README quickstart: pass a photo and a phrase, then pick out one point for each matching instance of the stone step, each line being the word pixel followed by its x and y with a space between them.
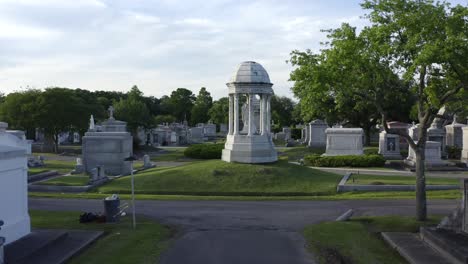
pixel 452 245
pixel 60 250
pixel 37 240
pixel 413 249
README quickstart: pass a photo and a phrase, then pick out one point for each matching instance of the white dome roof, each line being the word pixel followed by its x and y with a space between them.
pixel 250 72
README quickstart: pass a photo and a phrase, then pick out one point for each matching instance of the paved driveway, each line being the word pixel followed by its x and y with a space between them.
pixel 231 232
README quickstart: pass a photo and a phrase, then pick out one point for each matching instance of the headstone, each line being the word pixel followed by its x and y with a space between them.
pixel 433 156
pixel 454 134
pixel 344 141
pixel 389 145
pixel 34 162
pixel 209 130
pixel 403 128
pixel 13 186
pixel 108 147
pixel 287 133
pixel 464 155
pixel 196 135
pixel 147 162
pixel 98 175
pixel 79 167
pixel 223 128
pixel 435 133
pixel 317 137
pixel 280 136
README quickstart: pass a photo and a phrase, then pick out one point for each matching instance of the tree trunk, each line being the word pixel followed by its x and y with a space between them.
pixel 421 202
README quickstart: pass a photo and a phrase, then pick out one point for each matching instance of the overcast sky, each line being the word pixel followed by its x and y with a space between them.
pixel 158 45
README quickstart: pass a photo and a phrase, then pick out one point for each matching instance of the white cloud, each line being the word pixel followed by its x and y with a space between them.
pixel 16 31
pixel 57 3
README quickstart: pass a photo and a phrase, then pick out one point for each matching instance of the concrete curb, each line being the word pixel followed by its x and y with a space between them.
pixel 40 176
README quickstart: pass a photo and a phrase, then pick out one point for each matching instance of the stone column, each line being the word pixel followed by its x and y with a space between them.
pixel 263 114
pixel 231 110
pixel 268 114
pixel 236 114
pixel 251 115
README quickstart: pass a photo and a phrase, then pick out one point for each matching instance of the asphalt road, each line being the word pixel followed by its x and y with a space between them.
pixel 228 232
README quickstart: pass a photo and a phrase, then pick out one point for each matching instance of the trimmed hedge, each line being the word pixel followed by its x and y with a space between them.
pixel 204 151
pixel 344 161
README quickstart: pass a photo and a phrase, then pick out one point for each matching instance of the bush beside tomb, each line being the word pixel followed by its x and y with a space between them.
pixel 453 152
pixel 344 161
pixel 204 151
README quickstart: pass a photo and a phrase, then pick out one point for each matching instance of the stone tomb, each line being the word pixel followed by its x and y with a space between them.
pixel 435 133
pixel 389 145
pixel 13 186
pixel 433 156
pixel 464 155
pixel 108 147
pixel 454 134
pixel 317 136
pixel 344 141
pixel 255 144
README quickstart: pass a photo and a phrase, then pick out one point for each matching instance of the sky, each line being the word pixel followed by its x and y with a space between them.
pixel 159 45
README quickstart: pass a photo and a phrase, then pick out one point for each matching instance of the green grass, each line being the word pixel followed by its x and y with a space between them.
pixel 397 180
pixel 176 154
pixel 121 244
pixel 358 240
pixel 297 153
pixel 71 180
pixel 215 177
pixel 57 165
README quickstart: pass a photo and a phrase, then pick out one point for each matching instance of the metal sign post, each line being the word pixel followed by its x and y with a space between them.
pixel 131 159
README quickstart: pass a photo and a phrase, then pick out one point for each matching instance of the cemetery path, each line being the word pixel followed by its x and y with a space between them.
pixel 245 231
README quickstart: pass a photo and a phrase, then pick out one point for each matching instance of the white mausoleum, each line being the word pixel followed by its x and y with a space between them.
pixel 13 185
pixel 252 145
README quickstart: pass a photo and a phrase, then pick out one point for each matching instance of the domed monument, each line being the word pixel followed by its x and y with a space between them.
pixel 252 143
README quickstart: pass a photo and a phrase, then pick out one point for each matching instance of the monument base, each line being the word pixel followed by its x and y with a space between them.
pixel 249 149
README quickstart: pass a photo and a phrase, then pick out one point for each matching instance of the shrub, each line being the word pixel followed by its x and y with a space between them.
pixel 296 133
pixel 204 151
pixel 453 152
pixel 344 161
pixel 371 150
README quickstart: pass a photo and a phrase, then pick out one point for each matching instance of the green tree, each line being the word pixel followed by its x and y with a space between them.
pixel 202 105
pixel 134 111
pixel 60 110
pixel 282 111
pixel 414 48
pixel 181 103
pixel 219 112
pixel 20 111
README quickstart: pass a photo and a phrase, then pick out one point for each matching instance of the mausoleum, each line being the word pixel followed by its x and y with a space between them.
pixel 13 185
pixel 253 144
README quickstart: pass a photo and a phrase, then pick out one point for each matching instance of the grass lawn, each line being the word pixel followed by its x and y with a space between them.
pixel 297 153
pixel 57 165
pixel 397 180
pixel 215 177
pixel 358 240
pixel 121 244
pixel 176 154
pixel 70 180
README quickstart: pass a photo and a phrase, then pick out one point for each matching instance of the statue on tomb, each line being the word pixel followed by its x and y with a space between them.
pixel 111 112
pixel 91 123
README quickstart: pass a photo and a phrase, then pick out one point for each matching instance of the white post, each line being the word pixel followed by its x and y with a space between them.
pixel 251 114
pixel 268 114
pixel 236 114
pixel 133 194
pixel 261 114
pixel 231 110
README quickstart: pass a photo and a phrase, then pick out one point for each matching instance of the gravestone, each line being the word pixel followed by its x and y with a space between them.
pixel 344 141
pixel 13 186
pixel 223 129
pixel 34 162
pixel 79 167
pixel 306 134
pixel 389 145
pixel 209 130
pixel 317 137
pixel 413 131
pixel 280 136
pixel 196 135
pixel 287 133
pixel 454 134
pixel 98 176
pixel 433 156
pixel 464 155
pixel 108 147
pixel 147 162
pixel 435 133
